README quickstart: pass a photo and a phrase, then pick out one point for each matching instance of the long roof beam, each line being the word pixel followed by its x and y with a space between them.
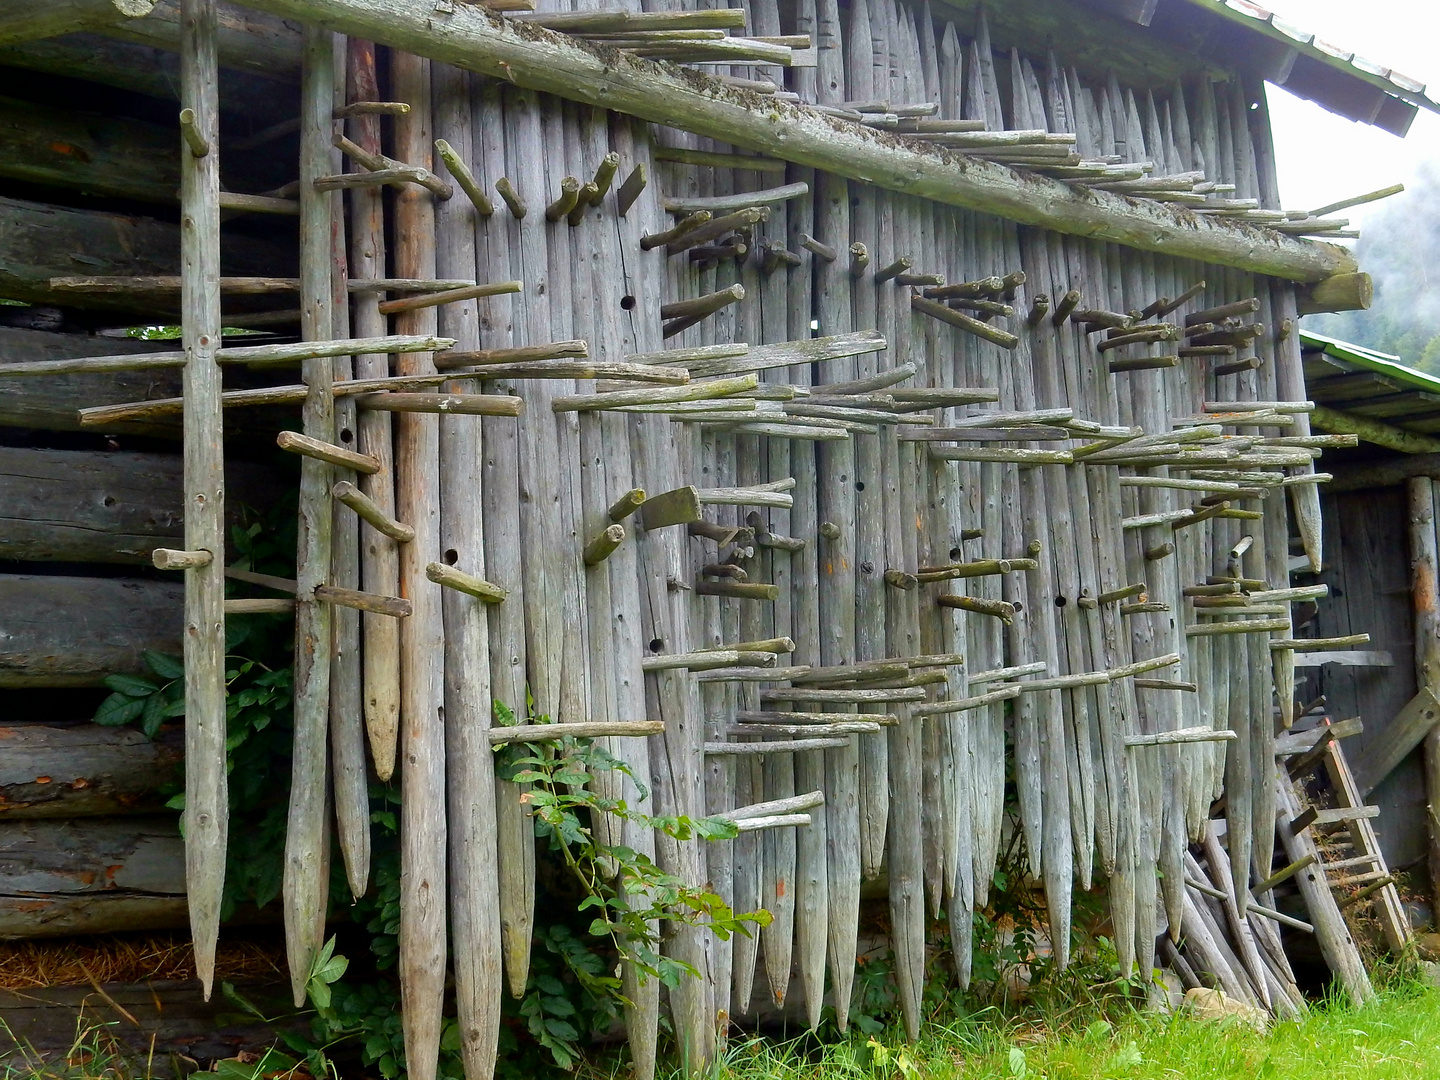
pixel 469 37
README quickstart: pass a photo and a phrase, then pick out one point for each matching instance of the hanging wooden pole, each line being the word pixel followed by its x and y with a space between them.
pixel 422 636
pixel 307 834
pixel 379 557
pixel 207 809
pixel 1427 641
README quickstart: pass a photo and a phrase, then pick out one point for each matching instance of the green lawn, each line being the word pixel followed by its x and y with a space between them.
pixel 1397 1036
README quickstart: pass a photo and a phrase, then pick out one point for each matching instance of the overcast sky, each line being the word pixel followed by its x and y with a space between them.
pixel 1323 158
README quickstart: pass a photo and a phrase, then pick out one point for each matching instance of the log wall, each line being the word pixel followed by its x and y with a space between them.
pixel 957 521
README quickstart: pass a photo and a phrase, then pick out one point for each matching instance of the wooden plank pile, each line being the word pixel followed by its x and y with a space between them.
pixel 805 497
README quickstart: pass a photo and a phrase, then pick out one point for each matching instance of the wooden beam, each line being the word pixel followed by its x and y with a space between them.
pixel 39 242
pixel 104 507
pixel 147 70
pixel 1343 292
pixel 470 38
pixel 1409 728
pixel 1338 422
pixel 43 644
pixel 100 155
pixel 29 20
pixel 84 771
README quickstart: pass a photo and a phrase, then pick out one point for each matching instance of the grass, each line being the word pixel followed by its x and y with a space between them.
pixel 1397 1036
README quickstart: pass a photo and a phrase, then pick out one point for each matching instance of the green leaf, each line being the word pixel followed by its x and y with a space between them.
pixel 119 709
pixel 156 709
pixel 131 685
pixel 164 665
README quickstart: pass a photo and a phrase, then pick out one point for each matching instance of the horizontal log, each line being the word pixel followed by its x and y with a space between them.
pixel 51 404
pixel 89 152
pixel 1183 735
pixel 84 770
pixel 80 506
pixel 155 72
pixel 27 20
pixel 73 631
pixel 39 242
pixel 584 729
pixel 539 60
pixel 783 746
pixel 246 40
pixel 90 875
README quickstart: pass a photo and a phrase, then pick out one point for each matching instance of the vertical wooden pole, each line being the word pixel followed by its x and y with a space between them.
pixel 207 809
pixel 422 635
pixel 379 554
pixel 307 832
pixel 349 773
pixel 1427 643
pixel 469 762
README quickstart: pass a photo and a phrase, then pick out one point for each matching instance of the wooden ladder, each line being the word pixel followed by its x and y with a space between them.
pixel 1367 866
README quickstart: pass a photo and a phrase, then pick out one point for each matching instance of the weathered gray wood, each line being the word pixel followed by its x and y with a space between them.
pixel 27 20
pixel 1424 603
pixel 74 506
pixel 73 631
pixel 500 494
pixel 350 780
pixel 65 877
pixel 1403 734
pixel 423 945
pixel 51 403
pixel 84 771
pixel 469 767
pixel 306 884
pixel 206 797
pixel 550 63
pixel 39 242
pixel 1331 932
pixel 379 558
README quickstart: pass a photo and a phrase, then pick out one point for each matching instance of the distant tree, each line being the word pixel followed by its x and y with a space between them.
pixel 1400 248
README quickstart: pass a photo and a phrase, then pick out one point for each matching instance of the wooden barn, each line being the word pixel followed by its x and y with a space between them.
pixel 842 413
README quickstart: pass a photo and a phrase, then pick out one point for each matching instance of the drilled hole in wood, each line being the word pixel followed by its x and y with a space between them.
pixel 346 435
pixel 956 553
pixel 859 485
pixel 628 303
pixel 451 556
pixel 1059 601
pixel 656 645
pixel 109 500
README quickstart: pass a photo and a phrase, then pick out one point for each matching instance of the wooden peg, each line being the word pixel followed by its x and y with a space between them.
pixel 465 178
pixel 295 443
pixel 859 259
pixel 569 195
pixel 190 129
pixel 604 543
pixel 460 581
pixel 351 496
pixel 173 559
pixel 511 198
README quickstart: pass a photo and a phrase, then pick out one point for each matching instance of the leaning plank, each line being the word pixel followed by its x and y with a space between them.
pixel 29 20
pixel 39 242
pixel 1403 734
pixel 470 38
pixel 84 771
